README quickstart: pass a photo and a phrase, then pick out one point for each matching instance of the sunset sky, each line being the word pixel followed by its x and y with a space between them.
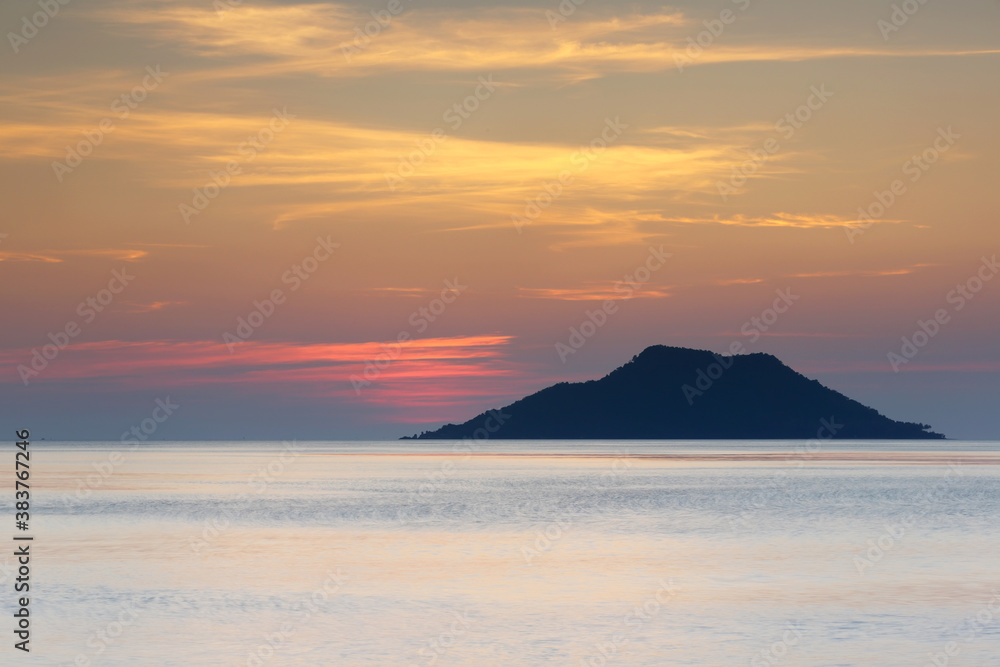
pixel 506 167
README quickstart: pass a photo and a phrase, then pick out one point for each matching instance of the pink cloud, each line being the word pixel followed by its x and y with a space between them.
pixel 423 380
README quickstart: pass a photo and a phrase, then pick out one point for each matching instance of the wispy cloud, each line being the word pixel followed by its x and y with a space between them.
pixel 399 291
pixel 271 39
pixel 150 307
pixel 428 380
pixel 900 271
pixel 56 256
pixel 780 219
pixel 739 281
pixel 8 256
pixel 595 293
pixel 194 363
pixel 848 273
pixel 280 39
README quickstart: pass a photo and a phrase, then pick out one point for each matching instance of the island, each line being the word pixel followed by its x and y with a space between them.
pixel 675 393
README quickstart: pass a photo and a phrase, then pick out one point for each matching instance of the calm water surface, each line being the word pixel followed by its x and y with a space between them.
pixel 542 553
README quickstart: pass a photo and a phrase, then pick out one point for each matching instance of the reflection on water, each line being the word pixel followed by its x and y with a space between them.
pixel 628 553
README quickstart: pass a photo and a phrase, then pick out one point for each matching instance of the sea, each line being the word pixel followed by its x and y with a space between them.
pixel 499 553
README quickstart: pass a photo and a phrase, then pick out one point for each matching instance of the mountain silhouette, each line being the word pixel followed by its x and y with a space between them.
pixel 678 393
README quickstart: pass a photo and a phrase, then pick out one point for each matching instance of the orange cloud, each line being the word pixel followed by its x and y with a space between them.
pixel 852 273
pixel 739 281
pixel 54 256
pixel 6 256
pixel 149 307
pixel 791 220
pixel 598 293
pixel 863 273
